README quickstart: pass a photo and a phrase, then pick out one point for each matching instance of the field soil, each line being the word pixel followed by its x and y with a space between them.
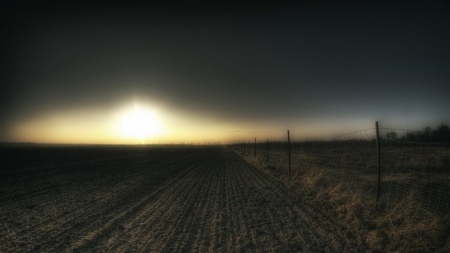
pixel 153 199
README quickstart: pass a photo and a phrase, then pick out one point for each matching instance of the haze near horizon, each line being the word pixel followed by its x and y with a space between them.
pixel 129 73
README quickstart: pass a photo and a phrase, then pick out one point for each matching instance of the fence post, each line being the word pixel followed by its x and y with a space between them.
pixel 289 148
pixel 267 151
pixel 255 146
pixel 378 162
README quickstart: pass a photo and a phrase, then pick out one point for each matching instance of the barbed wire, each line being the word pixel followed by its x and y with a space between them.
pixel 409 169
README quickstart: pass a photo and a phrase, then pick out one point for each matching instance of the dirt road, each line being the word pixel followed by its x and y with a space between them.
pixel 204 199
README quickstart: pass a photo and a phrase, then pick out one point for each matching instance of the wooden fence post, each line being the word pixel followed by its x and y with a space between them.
pixel 267 151
pixel 289 148
pixel 378 162
pixel 255 146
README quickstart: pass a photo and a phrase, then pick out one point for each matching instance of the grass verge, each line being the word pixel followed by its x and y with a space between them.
pixel 403 227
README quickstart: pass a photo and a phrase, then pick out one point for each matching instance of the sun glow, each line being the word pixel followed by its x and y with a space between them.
pixel 140 124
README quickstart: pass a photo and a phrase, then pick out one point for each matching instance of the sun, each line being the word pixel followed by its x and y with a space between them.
pixel 140 124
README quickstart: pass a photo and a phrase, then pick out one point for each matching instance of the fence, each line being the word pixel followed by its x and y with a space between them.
pixel 405 166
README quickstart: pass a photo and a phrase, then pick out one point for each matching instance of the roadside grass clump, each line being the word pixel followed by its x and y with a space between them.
pixel 404 226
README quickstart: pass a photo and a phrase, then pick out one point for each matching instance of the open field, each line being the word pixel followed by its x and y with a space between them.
pixel 153 199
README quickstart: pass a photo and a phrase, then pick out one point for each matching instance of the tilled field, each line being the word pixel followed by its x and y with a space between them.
pixel 140 199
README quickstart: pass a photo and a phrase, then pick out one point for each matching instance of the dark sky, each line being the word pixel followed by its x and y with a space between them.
pixel 244 69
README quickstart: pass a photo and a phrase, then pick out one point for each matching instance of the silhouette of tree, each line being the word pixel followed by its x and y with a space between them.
pixel 440 134
pixel 427 133
pixel 391 136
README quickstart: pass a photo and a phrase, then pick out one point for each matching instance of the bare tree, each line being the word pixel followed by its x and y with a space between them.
pixel 391 136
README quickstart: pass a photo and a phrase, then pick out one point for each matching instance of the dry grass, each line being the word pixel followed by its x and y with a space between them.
pixel 403 227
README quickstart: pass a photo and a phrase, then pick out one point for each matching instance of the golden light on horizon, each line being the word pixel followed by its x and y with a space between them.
pixel 140 124
pixel 143 122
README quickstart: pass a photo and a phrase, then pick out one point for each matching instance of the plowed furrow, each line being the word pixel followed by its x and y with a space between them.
pixel 158 237
pixel 312 220
pixel 150 217
pixel 77 217
pixel 68 218
pixel 119 212
pixel 292 218
pixel 190 226
pixel 169 200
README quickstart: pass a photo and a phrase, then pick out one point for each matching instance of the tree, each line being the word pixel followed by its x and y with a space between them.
pixel 391 136
pixel 412 136
pixel 426 133
pixel 441 133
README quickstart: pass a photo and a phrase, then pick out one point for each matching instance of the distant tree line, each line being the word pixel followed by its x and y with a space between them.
pixel 440 134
